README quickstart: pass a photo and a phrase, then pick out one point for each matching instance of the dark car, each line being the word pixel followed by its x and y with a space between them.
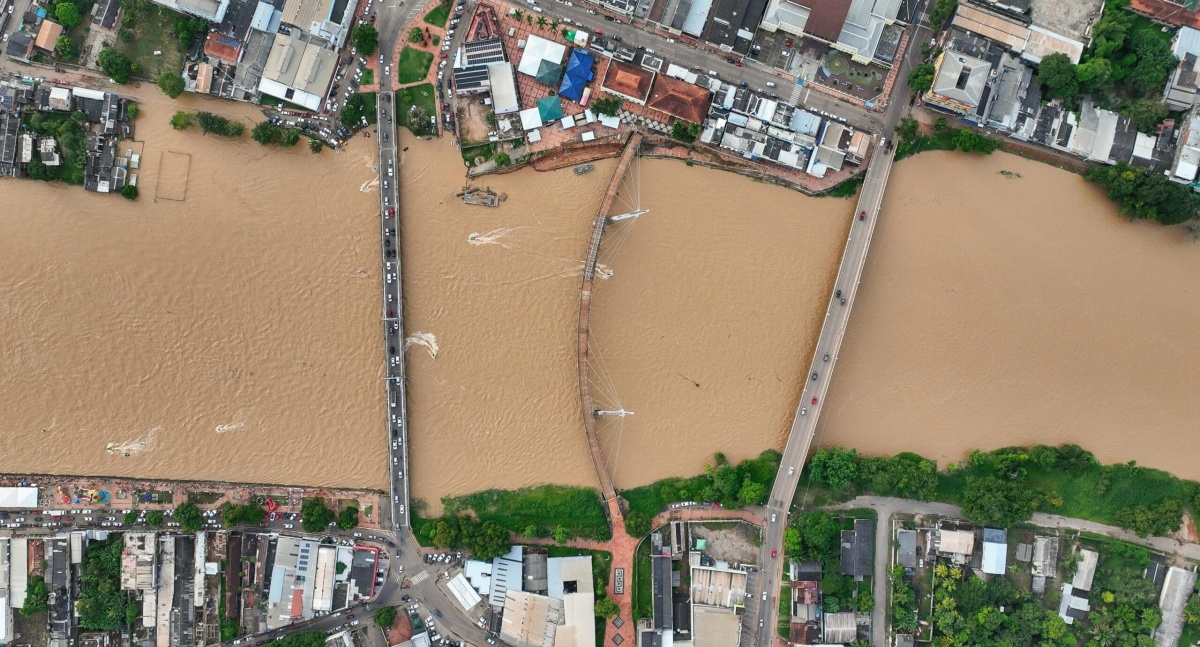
pixel 437 612
pixel 392 351
pixel 814 376
pixel 350 617
pixel 826 358
pixel 838 294
pixel 407 598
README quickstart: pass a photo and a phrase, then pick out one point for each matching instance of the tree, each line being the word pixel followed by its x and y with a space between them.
pixel 315 145
pixel 865 602
pixel 37 596
pixel 1143 195
pixel 189 517
pixel 181 120
pixel 133 610
pixel 348 517
pixel 66 48
pixel 130 517
pixel 218 125
pixel 502 160
pixel 314 516
pixel 990 501
pixel 385 617
pixel 1159 520
pixel 359 107
pixel 1146 114
pixel 486 541
pixel 969 141
pixel 291 137
pixel 685 131
pixel 607 105
pixel 132 111
pixel 248 514
pixel 906 475
pixel 1057 75
pixel 908 130
pixel 1154 61
pixel 415 35
pixel 116 65
pixel 606 608
pixel 67 14
pixel 561 535
pixel 1093 75
pixel 154 518
pixel 751 493
pixel 129 192
pixel 171 83
pixel 942 10
pixel 637 524
pixel 188 30
pixel 1191 611
pixel 920 79
pixel 366 39
pixel 835 466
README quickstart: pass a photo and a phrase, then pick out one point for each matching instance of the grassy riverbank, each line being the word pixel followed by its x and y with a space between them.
pixel 533 512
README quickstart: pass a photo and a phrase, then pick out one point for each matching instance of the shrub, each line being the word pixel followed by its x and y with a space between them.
pixel 129 192
pixel 171 83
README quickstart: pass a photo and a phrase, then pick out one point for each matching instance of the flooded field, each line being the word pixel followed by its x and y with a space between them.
pixel 1000 310
pixel 231 335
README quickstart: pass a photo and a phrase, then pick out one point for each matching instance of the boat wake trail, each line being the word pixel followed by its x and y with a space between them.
pixel 130 448
pixel 426 339
pixel 493 237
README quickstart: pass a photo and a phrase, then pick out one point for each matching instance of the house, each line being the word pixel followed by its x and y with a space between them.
pixel 1187 151
pixel 628 81
pixel 1180 91
pixel 958 545
pixel 20 47
pixel 995 551
pixel 840 628
pixel 960 84
pixel 857 548
pixel 731 28
pixel 906 548
pixel 47 37
pixel 1178 13
pixel 1074 604
pixel 680 99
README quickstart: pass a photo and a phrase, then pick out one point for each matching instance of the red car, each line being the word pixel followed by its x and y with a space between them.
pixel 445 55
pixel 599 33
pixel 737 63
pixel 814 401
pixel 862 215
pixel 774 552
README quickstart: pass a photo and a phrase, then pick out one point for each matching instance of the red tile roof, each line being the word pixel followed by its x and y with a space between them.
pixel 1167 12
pixel 826 18
pixel 629 80
pixel 679 98
pixel 222 47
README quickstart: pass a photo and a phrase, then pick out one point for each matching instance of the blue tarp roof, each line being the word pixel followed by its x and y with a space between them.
pixel 579 73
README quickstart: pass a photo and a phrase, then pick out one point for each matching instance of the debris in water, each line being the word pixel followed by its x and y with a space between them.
pixel 233 426
pixel 1010 174
pixel 484 197
pixel 603 271
pixel 425 339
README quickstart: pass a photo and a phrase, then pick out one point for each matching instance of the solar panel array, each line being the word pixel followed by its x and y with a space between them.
pixel 484 52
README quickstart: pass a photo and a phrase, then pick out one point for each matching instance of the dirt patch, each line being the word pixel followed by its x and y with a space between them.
pixel 31 630
pixel 573 154
pixel 730 541
pixel 401 629
pixel 473 119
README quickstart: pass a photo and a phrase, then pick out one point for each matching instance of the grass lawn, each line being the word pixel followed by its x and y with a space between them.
pixel 438 16
pixel 204 498
pixel 784 623
pixel 643 587
pixel 414 65
pixel 847 189
pixel 544 507
pixel 421 95
pixel 153 34
pixel 486 151
pixel 368 77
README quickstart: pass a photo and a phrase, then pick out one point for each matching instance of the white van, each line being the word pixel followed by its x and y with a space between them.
pixel 770 84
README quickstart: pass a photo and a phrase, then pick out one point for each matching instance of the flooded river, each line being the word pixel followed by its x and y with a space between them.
pixel 231 335
pixel 998 310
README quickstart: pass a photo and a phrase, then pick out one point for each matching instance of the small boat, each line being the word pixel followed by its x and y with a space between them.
pixel 580 170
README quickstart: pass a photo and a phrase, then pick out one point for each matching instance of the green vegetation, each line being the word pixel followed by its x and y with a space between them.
pixel 746 484
pixel 910 140
pixel 846 189
pixel 643 584
pixel 218 125
pixel 969 611
pixel 502 160
pixel 129 192
pixel 942 10
pixel 182 120
pixel 359 106
pixel 920 79
pixel 130 517
pixel 365 39
pixel 268 134
pixel 67 13
pixel 834 466
pixel 204 498
pixel 66 48
pixel 368 77
pixel 154 518
pixel 578 510
pixel 249 514
pixel 132 111
pixel 438 16
pixel 416 35
pixel 816 536
pixel 474 155
pixel 415 108
pixel 384 616
pixel 413 66
pixel 348 518
pixel 1145 195
pixel 116 65
pixel 1129 59
pixel 101 605
pixel 152 29
pixel 315 145
pixel 314 515
pixel 685 131
pixel 229 626
pixel 189 517
pixel 68 130
pixel 486 541
pixel 607 105
pixel 606 608
pixel 171 83
pixel 969 141
pixel 37 596
pixel 189 30
pixel 314 638
pixel 992 501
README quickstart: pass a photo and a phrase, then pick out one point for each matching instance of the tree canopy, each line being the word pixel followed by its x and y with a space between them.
pixel 37 596
pixel 247 514
pixel 218 125
pixel 385 617
pixel 314 515
pixel 67 14
pixel 116 65
pixel 607 105
pixel 189 517
pixel 836 467
pixel 365 38
pixel 348 518
pixel 1146 195
pixel 920 79
pixel 101 605
pixel 154 518
pixel 66 48
pixel 991 501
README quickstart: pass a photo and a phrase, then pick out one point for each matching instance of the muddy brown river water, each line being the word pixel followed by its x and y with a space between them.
pixel 235 335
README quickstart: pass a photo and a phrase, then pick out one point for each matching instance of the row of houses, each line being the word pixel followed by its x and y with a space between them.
pixel 105 119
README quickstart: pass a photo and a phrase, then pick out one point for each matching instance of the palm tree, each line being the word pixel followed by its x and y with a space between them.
pixel 564 33
pixel 518 14
pixel 541 22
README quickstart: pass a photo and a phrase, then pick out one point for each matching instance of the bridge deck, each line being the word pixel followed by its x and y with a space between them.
pixel 607 488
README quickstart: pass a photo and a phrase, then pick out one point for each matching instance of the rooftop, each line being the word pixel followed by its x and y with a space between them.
pixel 826 18
pixel 680 99
pixel 628 80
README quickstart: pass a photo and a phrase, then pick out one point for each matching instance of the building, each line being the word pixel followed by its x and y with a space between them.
pixel 958 545
pixel 210 10
pixel 906 548
pixel 18 498
pixel 716 585
pixel 18 571
pixel 731 27
pixel 1187 151
pixel 530 620
pixel 1177 588
pixel 680 99
pixel 1016 31
pixel 858 546
pixel 20 47
pixel 661 576
pixel 6 609
pixel 542 60
pixel 482 52
pixel 326 571
pixel 995 551
pixel 630 82
pixel 292 581
pixel 840 628
pixel 1180 91
pixel 1074 604
pixel 1178 13
pixel 327 20
pixel 503 88
pixel 47 37
pixel 298 70
pixel 867 26
pixel 715 627
pixel 507 573
pixel 960 84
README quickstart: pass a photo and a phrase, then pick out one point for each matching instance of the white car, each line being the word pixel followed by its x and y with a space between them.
pixel 387 71
pixel 288 526
pixel 591 11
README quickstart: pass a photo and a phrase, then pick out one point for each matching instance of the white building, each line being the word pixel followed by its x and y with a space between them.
pixel 298 71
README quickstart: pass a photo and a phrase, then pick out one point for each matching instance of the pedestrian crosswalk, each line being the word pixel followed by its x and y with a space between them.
pixel 795 98
pixel 419 577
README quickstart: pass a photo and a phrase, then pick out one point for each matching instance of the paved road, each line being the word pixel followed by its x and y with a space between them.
pixel 837 317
